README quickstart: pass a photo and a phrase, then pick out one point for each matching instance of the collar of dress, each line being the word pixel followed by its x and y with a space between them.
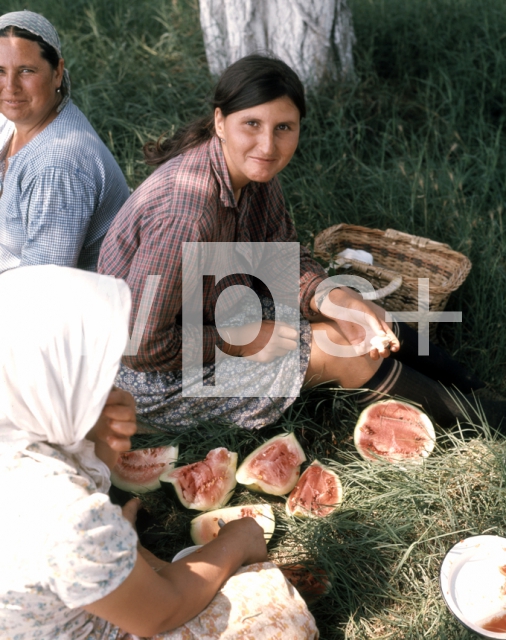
pixel 39 139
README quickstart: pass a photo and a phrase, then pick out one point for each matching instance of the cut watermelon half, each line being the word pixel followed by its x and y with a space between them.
pixel 204 485
pixel 394 431
pixel 139 471
pixel 317 493
pixel 274 467
pixel 205 527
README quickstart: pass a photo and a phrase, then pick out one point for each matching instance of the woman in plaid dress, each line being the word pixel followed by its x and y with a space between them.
pixel 216 182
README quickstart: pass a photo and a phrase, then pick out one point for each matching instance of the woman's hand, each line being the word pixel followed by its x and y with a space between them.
pixel 148 603
pixel 248 536
pixel 360 312
pixel 130 509
pixel 244 536
pixel 116 424
pixel 266 340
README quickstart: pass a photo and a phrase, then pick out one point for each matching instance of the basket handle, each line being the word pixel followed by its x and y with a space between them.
pixel 383 292
pixel 416 241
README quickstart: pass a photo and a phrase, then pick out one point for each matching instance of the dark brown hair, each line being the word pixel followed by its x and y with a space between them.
pixel 48 52
pixel 252 80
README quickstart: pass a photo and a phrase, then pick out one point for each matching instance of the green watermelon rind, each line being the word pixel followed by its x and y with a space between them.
pixel 299 511
pixel 265 519
pixel 244 477
pixel 371 457
pixel 134 487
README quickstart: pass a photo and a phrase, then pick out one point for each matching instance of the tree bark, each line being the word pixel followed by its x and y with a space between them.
pixel 314 37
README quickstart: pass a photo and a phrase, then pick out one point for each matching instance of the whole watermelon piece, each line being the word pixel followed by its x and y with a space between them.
pixel 317 493
pixel 204 485
pixel 274 467
pixel 139 471
pixel 394 431
pixel 205 527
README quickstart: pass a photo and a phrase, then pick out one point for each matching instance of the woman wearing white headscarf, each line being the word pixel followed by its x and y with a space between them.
pixel 60 186
pixel 71 565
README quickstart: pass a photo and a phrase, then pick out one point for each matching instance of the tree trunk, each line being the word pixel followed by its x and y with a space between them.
pixel 315 37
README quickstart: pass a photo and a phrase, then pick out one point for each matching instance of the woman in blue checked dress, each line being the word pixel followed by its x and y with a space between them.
pixel 202 348
pixel 60 187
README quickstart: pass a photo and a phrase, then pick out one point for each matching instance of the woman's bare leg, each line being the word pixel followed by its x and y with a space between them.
pixel 351 373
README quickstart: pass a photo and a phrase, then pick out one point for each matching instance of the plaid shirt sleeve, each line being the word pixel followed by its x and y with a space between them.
pixel 282 229
pixel 146 239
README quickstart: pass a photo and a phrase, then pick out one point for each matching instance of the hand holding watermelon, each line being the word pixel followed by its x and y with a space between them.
pixel 118 420
pixel 116 424
pixel 354 317
pixel 245 536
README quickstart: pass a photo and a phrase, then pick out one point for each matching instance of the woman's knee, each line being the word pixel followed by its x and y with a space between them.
pixel 333 359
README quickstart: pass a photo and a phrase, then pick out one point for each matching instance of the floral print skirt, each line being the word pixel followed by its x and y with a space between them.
pixel 161 404
pixel 256 603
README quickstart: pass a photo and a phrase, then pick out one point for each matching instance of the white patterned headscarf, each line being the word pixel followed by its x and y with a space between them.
pixel 37 24
pixel 62 334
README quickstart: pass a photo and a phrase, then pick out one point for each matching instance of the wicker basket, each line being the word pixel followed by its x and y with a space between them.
pixel 399 260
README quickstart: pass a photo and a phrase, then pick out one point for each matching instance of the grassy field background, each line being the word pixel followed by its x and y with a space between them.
pixel 417 144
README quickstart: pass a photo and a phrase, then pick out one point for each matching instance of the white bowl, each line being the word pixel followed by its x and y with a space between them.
pixel 186 552
pixel 472 584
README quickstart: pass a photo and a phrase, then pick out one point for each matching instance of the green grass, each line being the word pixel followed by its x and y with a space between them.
pixel 417 144
pixel 383 548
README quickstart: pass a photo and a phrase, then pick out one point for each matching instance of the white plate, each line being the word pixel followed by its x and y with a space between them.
pixel 471 582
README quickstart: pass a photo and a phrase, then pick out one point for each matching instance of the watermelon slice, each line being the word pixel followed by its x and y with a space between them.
pixel 317 493
pixel 274 467
pixel 394 431
pixel 205 527
pixel 139 471
pixel 204 485
pixel 311 582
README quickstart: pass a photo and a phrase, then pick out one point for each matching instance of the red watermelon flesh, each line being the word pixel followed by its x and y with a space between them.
pixel 317 493
pixel 395 431
pixel 274 464
pixel 274 467
pixel 139 471
pixel 311 582
pixel 207 484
